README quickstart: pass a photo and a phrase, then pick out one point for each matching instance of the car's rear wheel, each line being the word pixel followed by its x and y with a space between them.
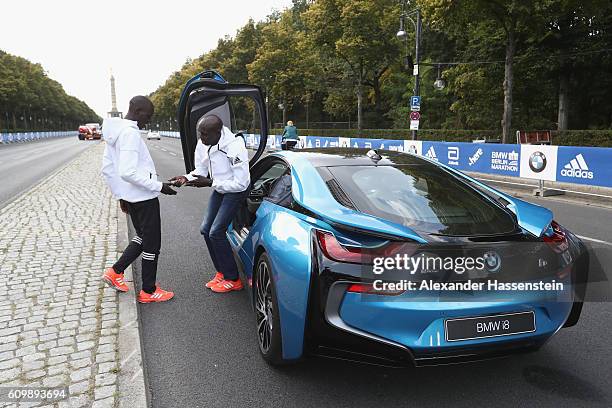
pixel 266 313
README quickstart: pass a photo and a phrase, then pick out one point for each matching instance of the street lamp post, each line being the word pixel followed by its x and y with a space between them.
pixel 401 34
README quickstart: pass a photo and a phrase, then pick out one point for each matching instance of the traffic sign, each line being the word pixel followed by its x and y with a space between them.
pixel 414 125
pixel 415 103
pixel 415 115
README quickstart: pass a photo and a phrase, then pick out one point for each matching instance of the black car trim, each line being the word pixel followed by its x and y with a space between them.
pixel 332 315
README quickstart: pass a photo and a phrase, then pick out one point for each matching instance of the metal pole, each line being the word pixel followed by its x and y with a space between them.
pixel 417 60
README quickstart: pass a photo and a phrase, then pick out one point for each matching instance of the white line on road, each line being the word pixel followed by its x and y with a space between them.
pixel 172 153
pixel 599 241
pixel 164 150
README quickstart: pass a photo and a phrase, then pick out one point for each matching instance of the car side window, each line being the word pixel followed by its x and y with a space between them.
pixel 281 190
pixel 262 185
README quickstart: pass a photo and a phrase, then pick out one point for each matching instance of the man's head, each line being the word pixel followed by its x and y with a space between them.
pixel 141 109
pixel 209 129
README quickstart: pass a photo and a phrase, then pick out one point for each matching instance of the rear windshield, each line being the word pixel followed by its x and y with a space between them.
pixel 422 197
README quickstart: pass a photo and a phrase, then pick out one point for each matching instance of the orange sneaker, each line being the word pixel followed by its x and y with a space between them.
pixel 227 286
pixel 218 278
pixel 115 280
pixel 159 295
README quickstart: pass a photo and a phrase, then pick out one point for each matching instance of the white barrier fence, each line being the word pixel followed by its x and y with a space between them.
pixel 6 138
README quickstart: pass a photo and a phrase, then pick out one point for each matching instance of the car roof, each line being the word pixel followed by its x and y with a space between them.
pixel 348 156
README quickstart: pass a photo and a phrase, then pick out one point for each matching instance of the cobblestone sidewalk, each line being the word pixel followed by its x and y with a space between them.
pixel 58 322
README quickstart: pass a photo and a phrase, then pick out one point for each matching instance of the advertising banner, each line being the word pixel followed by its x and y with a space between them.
pixel 538 162
pixel 413 146
pixel 584 165
pixel 310 142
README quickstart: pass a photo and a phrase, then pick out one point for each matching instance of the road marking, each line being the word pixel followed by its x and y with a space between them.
pixel 172 153
pixel 599 241
pixel 164 150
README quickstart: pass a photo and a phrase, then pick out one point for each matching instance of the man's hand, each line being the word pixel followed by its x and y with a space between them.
pixel 201 181
pixel 178 181
pixel 167 189
pixel 124 206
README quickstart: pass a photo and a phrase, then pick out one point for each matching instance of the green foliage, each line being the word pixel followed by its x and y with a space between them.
pixel 320 57
pixel 30 100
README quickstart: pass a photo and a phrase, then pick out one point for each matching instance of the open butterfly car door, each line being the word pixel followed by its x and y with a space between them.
pixel 209 93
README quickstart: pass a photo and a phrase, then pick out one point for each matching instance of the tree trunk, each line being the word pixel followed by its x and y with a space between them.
pixel 360 100
pixel 506 122
pixel 377 98
pixel 563 99
pixel 359 107
pixel 284 114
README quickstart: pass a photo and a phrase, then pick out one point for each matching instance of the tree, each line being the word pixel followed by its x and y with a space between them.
pixel 512 18
pixel 284 64
pixel 30 97
pixel 359 34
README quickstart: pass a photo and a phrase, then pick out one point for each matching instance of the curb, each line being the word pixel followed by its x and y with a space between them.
pixel 131 378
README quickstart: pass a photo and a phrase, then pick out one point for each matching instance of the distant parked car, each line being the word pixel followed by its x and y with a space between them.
pixel 90 131
pixel 153 135
pixel 83 130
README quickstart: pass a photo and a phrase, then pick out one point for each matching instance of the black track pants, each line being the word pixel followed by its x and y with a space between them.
pixel 146 219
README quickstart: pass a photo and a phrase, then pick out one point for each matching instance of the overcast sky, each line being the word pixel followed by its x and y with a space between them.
pixel 79 41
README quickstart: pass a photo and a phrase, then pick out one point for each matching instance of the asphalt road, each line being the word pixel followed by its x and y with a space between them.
pixel 200 349
pixel 25 164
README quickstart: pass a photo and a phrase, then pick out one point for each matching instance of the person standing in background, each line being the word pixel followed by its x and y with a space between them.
pixel 290 136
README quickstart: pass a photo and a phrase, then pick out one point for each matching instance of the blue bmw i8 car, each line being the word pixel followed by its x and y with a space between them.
pixel 315 221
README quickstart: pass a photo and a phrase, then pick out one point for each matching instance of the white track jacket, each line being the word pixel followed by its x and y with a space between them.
pixel 226 163
pixel 127 166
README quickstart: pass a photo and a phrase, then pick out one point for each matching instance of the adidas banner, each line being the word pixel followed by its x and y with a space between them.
pixel 585 165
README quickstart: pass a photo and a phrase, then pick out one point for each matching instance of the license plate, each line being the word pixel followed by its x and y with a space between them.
pixel 470 328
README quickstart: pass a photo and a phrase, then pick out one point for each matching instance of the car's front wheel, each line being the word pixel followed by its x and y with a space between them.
pixel 266 313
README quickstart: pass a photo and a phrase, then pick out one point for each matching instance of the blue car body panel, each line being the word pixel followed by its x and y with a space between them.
pixel 287 241
pixel 424 333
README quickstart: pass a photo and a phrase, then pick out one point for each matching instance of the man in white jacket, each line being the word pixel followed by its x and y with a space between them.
pixel 130 174
pixel 222 162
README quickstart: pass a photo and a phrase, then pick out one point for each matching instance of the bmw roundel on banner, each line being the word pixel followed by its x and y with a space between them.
pixel 539 162
pixel 413 146
pixel 584 165
pixel 344 141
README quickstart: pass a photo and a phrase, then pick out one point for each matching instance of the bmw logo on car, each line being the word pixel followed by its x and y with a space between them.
pixel 492 261
pixel 537 162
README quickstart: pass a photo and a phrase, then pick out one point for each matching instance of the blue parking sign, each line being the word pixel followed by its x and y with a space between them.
pixel 415 102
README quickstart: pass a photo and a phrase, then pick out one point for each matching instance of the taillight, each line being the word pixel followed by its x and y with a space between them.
pixel 554 233
pixel 334 250
pixel 368 288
